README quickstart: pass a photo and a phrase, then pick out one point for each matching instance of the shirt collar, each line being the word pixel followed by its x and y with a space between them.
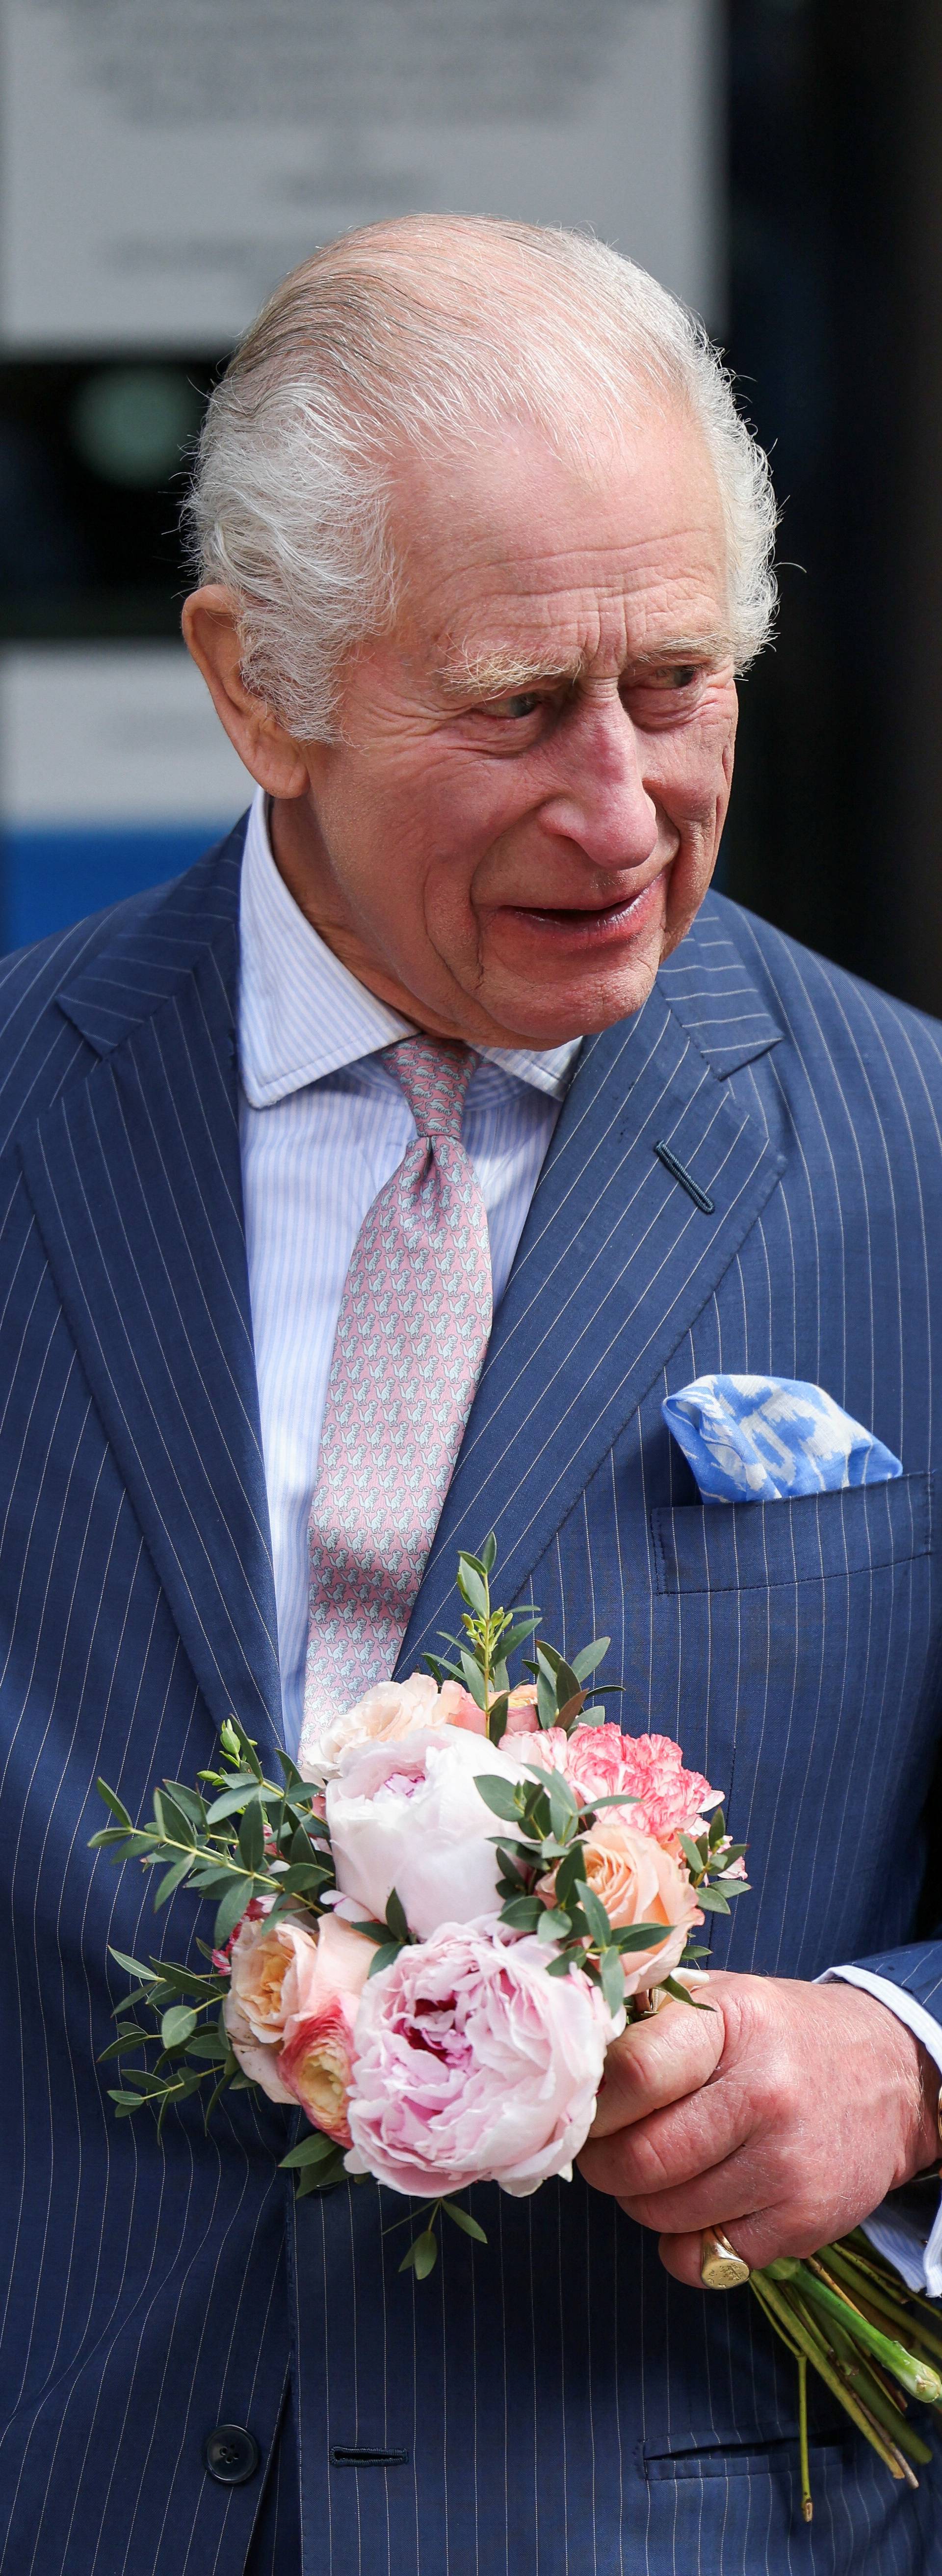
pixel 303 1015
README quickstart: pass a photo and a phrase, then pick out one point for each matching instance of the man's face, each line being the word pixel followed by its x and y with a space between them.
pixel 523 812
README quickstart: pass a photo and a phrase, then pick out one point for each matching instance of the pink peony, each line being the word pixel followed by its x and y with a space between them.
pixel 638 1882
pixel 473 2065
pixel 323 1990
pixel 409 1816
pixel 601 1762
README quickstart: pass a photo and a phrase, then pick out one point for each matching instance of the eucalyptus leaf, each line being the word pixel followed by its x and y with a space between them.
pixel 682 1995
pixel 563 1805
pixel 309 2151
pixel 252 1837
pixel 321 2177
pixel 422 2255
pixel 113 1803
pixel 497 1718
pixel 590 1657
pixel 522 1629
pixel 464 2220
pixel 489 1553
pixel 302 1876
pixel 188 1800
pixel 232 1801
pixel 246 1746
pixel 595 1915
pixel 612 1977
pixel 230 1911
pixel 172 1879
pixel 472 1588
pixel 134 1967
pixel 384 1957
pixel 473 1677
pixel 293 1778
pixel 711 1900
pixel 523 1913
pixel 499 1795
pixel 177 2025
pixel 396 1918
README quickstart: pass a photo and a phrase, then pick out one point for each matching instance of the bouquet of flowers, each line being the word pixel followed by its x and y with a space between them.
pixel 426 1948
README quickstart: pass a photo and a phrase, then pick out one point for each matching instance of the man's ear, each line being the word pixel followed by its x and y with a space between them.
pixel 271 755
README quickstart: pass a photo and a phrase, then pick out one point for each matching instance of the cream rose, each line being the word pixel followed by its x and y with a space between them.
pixel 388 1712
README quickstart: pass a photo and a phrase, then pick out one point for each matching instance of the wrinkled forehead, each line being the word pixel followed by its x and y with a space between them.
pixel 514 548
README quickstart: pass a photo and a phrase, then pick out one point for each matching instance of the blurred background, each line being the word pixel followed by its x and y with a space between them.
pixel 777 162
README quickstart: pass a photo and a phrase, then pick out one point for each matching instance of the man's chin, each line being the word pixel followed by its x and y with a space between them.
pixel 552 1011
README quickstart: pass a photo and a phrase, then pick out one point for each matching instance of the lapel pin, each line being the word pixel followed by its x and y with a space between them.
pixel 679 1173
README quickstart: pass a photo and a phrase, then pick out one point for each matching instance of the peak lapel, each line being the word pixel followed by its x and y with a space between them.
pixel 614 1263
pixel 136 1182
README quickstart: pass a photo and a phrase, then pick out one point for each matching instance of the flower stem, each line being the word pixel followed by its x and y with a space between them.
pixel 793 2327
pixel 806 2503
pixel 917 2377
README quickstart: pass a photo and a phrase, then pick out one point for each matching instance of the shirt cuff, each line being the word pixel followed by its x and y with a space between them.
pixel 909 2234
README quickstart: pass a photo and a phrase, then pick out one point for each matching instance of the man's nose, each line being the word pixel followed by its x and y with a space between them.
pixel 601 802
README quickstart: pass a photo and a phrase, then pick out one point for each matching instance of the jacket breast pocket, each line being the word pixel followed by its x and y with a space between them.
pixel 814 1538
pixel 801 1640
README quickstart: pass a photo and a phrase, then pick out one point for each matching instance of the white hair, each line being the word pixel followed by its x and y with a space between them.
pixel 421 333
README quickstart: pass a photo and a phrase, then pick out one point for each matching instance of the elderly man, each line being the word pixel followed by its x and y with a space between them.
pixel 483 545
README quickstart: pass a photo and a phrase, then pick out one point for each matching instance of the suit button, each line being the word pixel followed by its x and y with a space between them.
pixel 230 2454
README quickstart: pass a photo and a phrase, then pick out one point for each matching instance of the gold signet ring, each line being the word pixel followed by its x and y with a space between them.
pixel 720 2267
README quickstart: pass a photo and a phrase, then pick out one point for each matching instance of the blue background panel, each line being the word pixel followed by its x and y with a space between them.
pixel 50 878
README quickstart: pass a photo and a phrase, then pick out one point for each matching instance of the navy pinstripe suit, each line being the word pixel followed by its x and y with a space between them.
pixel 554 2405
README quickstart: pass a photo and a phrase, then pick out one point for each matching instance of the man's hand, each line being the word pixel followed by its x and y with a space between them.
pixel 782 2116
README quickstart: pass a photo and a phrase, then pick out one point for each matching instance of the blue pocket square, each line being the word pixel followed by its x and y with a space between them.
pixel 759 1439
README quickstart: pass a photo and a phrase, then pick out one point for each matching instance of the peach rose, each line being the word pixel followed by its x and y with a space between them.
pixel 262 1955
pixel 522 1717
pixel 317 2048
pixel 638 1883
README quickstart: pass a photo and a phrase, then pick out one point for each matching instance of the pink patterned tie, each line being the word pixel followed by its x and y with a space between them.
pixel 411 1337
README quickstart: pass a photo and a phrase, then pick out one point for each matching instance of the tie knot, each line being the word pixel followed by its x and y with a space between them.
pixel 434 1074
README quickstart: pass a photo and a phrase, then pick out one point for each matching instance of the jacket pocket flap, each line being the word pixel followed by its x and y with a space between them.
pixel 732 1547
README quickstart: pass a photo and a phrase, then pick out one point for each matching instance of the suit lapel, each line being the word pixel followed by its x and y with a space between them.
pixel 136 1182
pixel 614 1263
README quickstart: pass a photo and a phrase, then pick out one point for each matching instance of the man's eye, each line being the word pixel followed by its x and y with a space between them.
pixel 524 703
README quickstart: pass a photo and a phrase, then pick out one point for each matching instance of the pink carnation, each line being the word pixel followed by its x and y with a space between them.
pixel 601 1762
pixel 472 2065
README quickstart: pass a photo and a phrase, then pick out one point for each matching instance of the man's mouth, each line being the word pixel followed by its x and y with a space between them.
pixel 589 924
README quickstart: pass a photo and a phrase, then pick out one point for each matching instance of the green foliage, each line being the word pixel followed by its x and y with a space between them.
pixel 253 1837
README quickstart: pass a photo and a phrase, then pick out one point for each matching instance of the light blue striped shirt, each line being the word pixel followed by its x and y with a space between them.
pixel 324 1124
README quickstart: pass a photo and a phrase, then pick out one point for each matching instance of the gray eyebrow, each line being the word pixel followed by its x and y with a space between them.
pixel 494 674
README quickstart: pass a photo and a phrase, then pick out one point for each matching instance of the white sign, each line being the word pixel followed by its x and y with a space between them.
pixel 164 162
pixel 109 734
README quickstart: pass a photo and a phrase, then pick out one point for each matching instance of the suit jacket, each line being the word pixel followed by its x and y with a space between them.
pixel 553 2404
